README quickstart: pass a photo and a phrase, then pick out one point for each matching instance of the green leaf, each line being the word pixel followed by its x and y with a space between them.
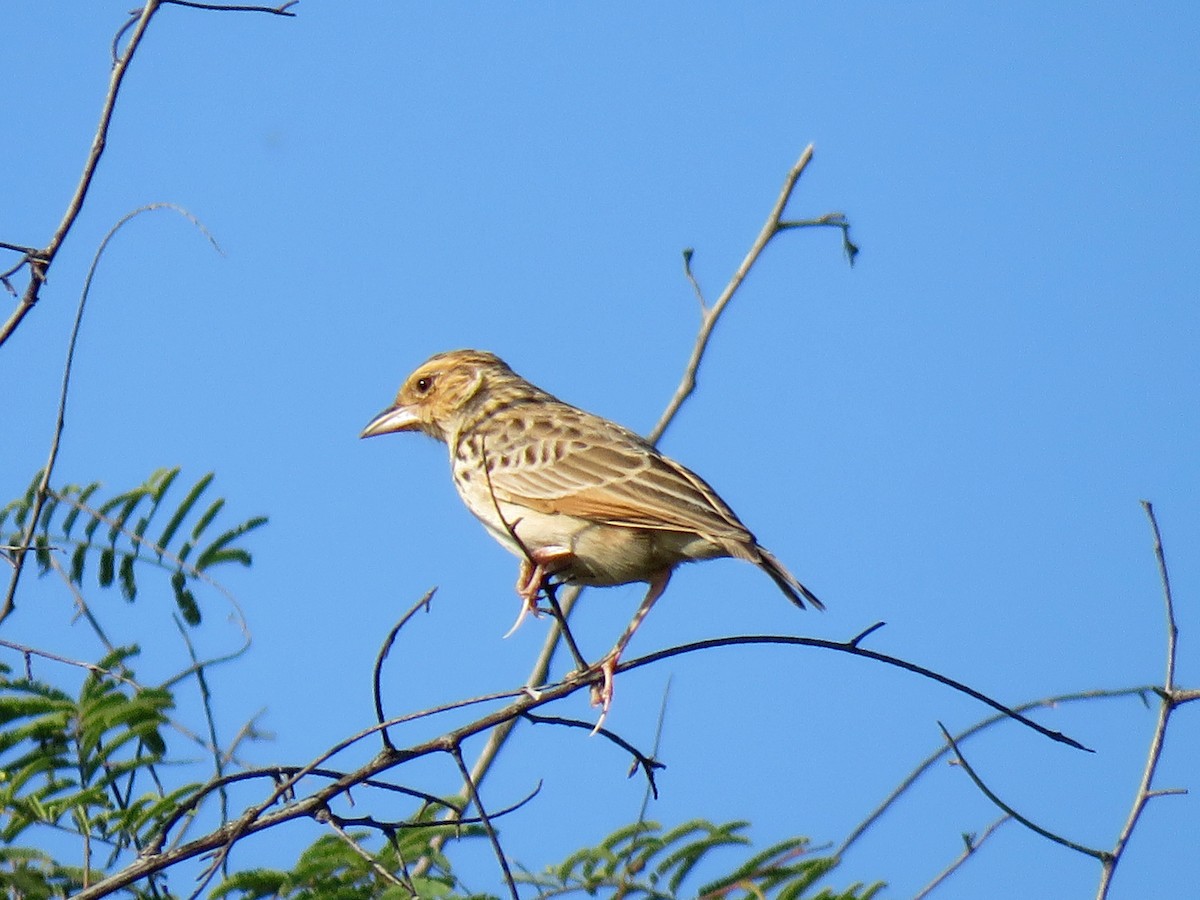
pixel 205 520
pixel 184 508
pixel 128 584
pixel 107 563
pixel 185 599
pixel 77 561
pixel 84 495
pixel 215 552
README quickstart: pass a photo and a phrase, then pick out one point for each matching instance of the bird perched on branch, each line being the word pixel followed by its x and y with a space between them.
pixel 579 498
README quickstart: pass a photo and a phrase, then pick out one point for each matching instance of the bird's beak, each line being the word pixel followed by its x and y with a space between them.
pixel 394 418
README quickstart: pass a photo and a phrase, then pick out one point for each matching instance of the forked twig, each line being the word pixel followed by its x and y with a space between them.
pixel 1168 699
pixel 709 315
pixel 39 263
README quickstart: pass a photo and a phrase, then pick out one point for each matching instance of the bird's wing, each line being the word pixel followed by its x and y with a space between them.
pixel 567 461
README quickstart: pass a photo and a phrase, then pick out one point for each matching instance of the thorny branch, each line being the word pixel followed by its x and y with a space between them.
pixel 709 316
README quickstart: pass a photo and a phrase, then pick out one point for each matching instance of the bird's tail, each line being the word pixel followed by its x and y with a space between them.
pixel 788 583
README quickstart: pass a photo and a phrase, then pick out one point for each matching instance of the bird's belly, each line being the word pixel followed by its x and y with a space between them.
pixel 602 554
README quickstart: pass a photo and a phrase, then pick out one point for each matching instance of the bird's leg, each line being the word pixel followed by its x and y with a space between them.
pixel 535 569
pixel 602 694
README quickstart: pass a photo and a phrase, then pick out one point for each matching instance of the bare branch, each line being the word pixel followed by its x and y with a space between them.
pixel 710 315
pixel 928 763
pixel 1101 855
pixel 282 10
pixel 1166 704
pixel 367 857
pixel 852 648
pixel 646 763
pixel 383 652
pixel 40 263
pixel 456 752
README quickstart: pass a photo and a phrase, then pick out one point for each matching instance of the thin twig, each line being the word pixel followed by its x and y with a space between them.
pixel 281 10
pixel 1004 807
pixel 209 717
pixel 640 760
pixel 456 752
pixel 931 760
pixel 91 667
pixel 368 858
pixel 382 655
pixel 710 315
pixel 1167 702
pixel 688 253
pixel 973 843
pixel 560 618
pixel 656 747
pixel 39 265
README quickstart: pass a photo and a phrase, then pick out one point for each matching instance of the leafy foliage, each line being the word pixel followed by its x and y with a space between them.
pixel 82 765
pixel 642 860
pixel 638 860
pixel 113 532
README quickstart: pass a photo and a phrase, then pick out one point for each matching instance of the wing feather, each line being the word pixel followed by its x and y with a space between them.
pixel 588 467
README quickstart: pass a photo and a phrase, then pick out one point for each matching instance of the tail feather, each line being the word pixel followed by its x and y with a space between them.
pixel 788 583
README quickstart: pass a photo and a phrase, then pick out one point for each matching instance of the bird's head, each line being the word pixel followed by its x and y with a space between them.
pixel 444 392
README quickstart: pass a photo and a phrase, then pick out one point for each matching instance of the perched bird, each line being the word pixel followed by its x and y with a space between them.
pixel 577 497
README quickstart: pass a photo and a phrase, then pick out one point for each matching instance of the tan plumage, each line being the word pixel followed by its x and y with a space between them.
pixel 589 501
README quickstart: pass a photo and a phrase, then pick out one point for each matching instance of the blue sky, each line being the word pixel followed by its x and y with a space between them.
pixel 952 437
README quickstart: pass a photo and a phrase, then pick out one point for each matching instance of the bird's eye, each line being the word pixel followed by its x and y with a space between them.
pixel 424 384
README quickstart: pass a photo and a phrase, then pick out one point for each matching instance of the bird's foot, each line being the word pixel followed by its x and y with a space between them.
pixel 602 693
pixel 531 578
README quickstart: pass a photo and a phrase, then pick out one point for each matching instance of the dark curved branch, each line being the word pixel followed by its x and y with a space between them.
pixel 646 763
pixel 284 9
pixel 931 760
pixel 377 691
pixel 852 648
pixel 1102 855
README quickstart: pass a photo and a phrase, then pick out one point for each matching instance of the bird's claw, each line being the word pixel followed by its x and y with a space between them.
pixel 602 693
pixel 527 606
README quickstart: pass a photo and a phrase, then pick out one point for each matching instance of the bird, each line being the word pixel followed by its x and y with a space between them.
pixel 580 499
